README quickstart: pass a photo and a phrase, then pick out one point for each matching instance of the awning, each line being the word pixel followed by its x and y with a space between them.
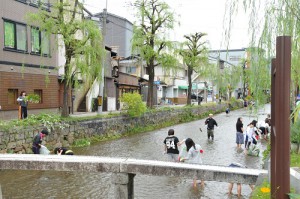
pixel 183 87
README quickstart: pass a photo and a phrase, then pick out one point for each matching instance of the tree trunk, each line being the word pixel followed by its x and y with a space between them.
pixel 150 101
pixel 65 108
pixel 65 111
pixel 189 93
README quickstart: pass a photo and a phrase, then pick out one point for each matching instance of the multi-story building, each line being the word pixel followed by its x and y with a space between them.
pixel 118 34
pixel 28 59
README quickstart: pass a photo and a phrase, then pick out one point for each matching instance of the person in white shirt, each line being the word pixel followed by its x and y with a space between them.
pixel 193 156
pixel 264 127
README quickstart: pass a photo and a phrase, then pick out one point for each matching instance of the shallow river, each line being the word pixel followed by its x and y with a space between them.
pixel 222 151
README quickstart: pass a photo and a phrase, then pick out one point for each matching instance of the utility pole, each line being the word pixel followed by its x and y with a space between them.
pixel 101 86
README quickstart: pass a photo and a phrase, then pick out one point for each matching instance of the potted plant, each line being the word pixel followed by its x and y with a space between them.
pixel 295 136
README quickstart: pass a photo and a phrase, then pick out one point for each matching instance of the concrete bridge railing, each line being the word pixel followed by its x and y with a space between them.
pixel 124 169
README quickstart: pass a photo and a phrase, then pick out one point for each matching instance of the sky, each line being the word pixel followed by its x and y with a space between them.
pixel 193 15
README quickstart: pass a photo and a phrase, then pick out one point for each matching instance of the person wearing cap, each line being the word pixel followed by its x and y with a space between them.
pixel 63 151
pixel 37 141
pixel 210 122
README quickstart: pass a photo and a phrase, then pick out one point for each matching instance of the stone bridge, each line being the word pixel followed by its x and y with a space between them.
pixel 125 169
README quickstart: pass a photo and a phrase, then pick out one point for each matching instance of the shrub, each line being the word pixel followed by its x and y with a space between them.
pixel 295 132
pixel 234 103
pixel 50 121
pixel 133 104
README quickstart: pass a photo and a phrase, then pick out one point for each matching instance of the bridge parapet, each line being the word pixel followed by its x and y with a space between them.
pixel 125 169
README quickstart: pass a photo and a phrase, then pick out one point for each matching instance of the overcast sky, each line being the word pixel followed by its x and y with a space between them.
pixel 194 16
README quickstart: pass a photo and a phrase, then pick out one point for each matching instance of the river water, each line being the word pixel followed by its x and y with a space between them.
pixel 222 151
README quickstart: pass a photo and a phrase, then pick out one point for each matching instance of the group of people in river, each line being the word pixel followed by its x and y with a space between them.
pixel 251 134
pixel 190 152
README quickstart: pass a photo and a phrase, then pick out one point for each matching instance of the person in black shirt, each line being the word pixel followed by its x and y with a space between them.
pixel 63 151
pixel 37 141
pixel 171 146
pixel 210 122
pixel 239 132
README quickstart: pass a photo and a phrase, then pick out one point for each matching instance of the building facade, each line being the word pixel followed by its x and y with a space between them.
pixel 230 58
pixel 118 34
pixel 28 58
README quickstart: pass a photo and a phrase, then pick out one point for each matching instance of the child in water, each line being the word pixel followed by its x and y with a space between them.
pixel 193 156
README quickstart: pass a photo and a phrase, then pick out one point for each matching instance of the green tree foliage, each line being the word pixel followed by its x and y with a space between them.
pixel 267 20
pixel 80 39
pixel 194 55
pixel 133 104
pixel 150 38
pixel 225 79
pixel 259 76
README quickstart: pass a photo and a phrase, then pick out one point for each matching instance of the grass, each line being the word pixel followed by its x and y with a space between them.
pixel 295 160
pixel 262 192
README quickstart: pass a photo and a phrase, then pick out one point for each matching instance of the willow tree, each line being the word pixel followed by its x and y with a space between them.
pixel 79 39
pixel 194 55
pixel 155 18
pixel 267 20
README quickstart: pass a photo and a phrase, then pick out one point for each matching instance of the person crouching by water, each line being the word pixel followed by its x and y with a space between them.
pixel 37 141
pixel 63 151
pixel 193 156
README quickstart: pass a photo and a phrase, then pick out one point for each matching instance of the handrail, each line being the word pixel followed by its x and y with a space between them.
pixel 127 165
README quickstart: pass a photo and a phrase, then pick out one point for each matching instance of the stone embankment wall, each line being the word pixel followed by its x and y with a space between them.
pixel 19 140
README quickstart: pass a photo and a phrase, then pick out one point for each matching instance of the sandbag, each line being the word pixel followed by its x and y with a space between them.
pixel 44 150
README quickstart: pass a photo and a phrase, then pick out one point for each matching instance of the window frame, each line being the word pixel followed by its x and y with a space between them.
pixel 39 92
pixel 15 48
pixel 40 4
pixel 131 69
pixel 15 93
pixel 40 42
pixel 22 1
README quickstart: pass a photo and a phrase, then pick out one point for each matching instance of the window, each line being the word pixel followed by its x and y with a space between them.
pixel 15 36
pixel 45 41
pixel 130 69
pixel 235 58
pixel 42 3
pixel 40 42
pixel 12 96
pixel 39 92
